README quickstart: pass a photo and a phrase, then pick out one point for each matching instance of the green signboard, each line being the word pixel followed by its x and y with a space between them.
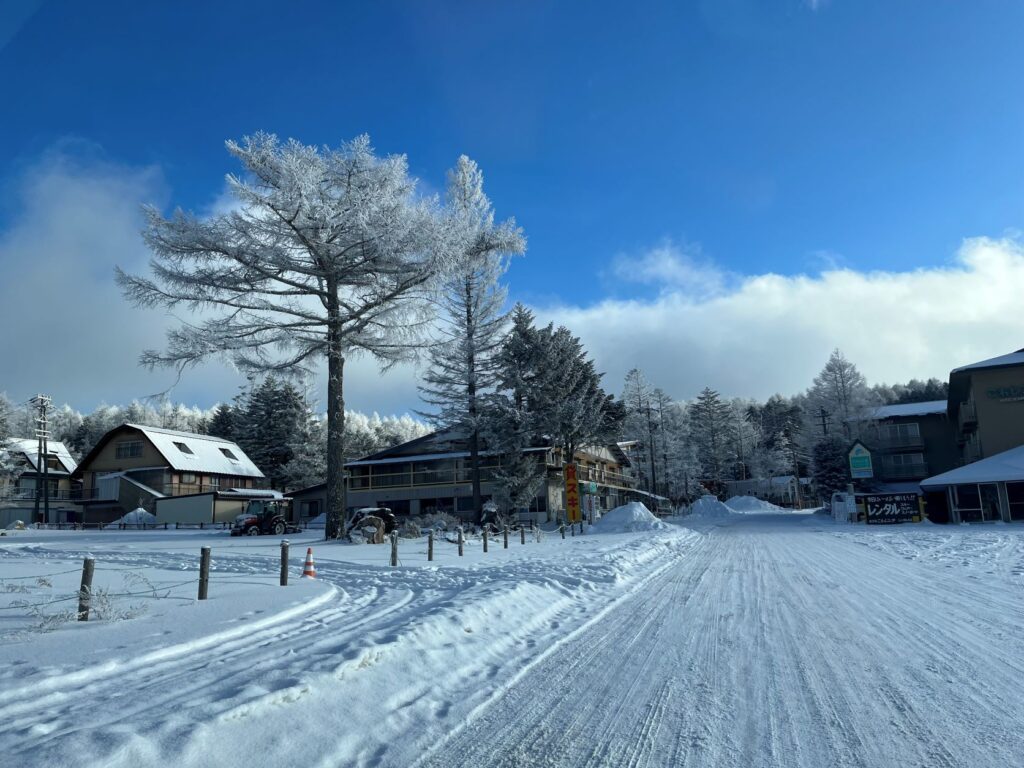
pixel 860 462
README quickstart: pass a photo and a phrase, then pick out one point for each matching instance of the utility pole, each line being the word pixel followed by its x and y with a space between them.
pixel 824 421
pixel 650 443
pixel 42 404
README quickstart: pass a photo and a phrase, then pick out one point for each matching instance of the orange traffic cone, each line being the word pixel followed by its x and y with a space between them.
pixel 309 570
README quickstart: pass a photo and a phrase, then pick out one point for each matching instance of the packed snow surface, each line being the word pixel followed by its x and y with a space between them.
pixel 630 517
pixel 748 504
pixel 733 640
pixel 135 517
pixel 710 507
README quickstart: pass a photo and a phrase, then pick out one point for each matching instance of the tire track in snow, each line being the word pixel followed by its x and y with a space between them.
pixel 774 644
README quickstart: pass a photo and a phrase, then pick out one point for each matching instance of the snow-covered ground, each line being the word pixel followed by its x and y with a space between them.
pixel 720 640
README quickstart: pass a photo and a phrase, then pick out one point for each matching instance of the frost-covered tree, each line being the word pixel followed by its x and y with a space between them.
pixel 462 368
pixel 838 399
pixel 307 464
pixel 640 425
pixel 328 253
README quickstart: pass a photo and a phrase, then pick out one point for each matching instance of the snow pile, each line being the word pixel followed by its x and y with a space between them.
pixel 137 516
pixel 709 507
pixel 17 525
pixel 749 504
pixel 631 517
pixel 320 521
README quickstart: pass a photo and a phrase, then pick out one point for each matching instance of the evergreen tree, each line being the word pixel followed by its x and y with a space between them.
pixel 275 414
pixel 462 369
pixel 831 471
pixel 222 423
pixel 712 433
pixel 510 424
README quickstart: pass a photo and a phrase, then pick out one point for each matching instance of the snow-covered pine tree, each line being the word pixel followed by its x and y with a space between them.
pixel 509 423
pixel 308 462
pixel 462 369
pixel 275 416
pixel 570 407
pixel 710 419
pixel 330 253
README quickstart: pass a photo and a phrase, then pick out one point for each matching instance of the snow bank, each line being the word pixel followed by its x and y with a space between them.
pixel 135 517
pixel 747 504
pixel 709 507
pixel 320 521
pixel 631 517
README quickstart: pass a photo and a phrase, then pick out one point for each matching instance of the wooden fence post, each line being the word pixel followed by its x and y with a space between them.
pixel 430 545
pixel 506 537
pixel 561 528
pixel 572 529
pixel 522 534
pixel 204 572
pixel 485 539
pixel 284 563
pixel 394 549
pixel 85 591
pixel 460 541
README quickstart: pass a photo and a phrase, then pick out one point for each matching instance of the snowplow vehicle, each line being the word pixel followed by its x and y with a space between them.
pixel 264 517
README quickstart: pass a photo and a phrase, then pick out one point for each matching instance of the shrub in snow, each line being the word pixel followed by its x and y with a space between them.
pixel 135 517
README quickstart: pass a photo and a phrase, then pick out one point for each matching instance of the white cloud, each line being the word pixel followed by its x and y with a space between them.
pixel 773 333
pixel 68 332
pixel 671 267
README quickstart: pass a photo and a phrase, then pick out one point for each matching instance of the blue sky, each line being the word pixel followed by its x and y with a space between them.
pixel 683 148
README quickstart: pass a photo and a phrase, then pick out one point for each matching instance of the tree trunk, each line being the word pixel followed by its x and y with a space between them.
pixel 336 518
pixel 474 464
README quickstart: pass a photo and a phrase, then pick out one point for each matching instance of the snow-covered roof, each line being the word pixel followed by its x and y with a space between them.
pixel 29 446
pixel 1007 466
pixel 189 452
pixel 1014 358
pixel 909 409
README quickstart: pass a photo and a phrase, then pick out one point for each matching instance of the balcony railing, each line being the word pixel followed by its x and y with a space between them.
pixel 904 471
pixel 889 441
pixel 29 494
pixel 411 479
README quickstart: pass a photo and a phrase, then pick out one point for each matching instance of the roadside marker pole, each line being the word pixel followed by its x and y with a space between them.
pixel 506 537
pixel 394 549
pixel 522 534
pixel 485 539
pixel 460 541
pixel 284 563
pixel 561 529
pixel 430 545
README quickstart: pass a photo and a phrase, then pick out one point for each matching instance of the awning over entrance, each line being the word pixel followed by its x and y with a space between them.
pixel 1005 467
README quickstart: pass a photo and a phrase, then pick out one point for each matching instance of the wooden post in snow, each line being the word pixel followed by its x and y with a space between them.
pixel 85 591
pixel 204 572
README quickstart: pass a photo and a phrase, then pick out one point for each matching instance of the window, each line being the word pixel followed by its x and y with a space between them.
pixel 214 482
pixel 184 448
pixel 188 478
pixel 900 459
pixel 129 449
pixel 229 454
pixel 1015 495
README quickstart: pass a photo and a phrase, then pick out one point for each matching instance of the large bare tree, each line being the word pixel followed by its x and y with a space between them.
pixel 328 253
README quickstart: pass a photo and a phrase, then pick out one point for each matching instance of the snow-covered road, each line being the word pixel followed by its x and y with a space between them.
pixel 775 642
pixel 748 640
